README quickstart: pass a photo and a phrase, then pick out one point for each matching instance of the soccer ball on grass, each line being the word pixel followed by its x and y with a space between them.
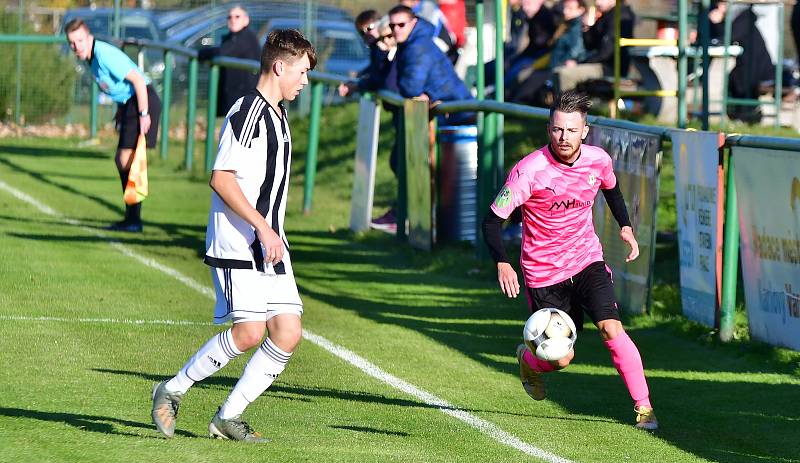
pixel 550 334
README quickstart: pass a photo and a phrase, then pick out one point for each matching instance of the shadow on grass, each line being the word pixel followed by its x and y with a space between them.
pixel 63 186
pixel 93 423
pixel 696 389
pixel 178 235
pixel 49 152
pixel 304 393
pixel 371 430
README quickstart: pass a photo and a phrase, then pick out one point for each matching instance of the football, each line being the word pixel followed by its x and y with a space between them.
pixel 550 334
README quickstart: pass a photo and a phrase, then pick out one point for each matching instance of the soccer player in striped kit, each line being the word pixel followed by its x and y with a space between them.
pixel 246 246
pixel 562 259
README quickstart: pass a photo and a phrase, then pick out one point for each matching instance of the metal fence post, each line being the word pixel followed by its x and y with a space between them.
pixel 93 110
pixel 683 26
pixel 190 112
pixel 730 256
pixel 499 95
pixel 18 95
pixel 166 97
pixel 313 145
pixel 213 85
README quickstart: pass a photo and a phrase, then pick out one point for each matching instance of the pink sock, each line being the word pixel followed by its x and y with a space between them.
pixel 536 363
pixel 626 358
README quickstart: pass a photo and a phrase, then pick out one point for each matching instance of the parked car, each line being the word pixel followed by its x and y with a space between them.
pixel 339 48
pixel 136 23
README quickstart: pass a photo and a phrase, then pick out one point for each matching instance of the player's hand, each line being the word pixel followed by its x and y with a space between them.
pixel 273 245
pixel 626 233
pixel 144 124
pixel 344 90
pixel 507 278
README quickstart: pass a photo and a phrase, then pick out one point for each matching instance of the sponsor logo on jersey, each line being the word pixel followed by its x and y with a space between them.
pixel 568 204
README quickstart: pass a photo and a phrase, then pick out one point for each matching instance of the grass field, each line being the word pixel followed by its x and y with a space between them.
pixel 408 356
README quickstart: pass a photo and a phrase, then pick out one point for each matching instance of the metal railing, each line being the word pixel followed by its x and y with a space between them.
pixel 487 157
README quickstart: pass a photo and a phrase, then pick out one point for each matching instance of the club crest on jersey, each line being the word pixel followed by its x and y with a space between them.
pixel 503 198
pixel 592 179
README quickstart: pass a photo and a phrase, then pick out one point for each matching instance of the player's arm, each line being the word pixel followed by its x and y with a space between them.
pixel 493 236
pixel 617 205
pixel 140 87
pixel 224 183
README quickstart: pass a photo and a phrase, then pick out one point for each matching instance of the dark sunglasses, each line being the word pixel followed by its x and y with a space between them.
pixel 368 28
pixel 397 25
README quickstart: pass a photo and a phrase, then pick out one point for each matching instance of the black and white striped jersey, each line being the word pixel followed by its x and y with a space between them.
pixel 255 143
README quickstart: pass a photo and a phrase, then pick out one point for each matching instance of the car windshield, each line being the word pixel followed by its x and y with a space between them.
pixel 135 26
pixel 331 41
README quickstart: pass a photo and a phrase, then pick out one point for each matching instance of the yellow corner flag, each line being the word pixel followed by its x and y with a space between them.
pixel 136 188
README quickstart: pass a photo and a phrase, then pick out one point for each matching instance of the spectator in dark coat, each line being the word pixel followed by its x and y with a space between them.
pixel 535 42
pixel 568 47
pixel 239 42
pixel 567 51
pixel 753 66
pixel 599 38
pixel 378 37
pixel 422 69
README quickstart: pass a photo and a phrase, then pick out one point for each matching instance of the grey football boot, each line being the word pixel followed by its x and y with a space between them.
pixel 165 409
pixel 234 429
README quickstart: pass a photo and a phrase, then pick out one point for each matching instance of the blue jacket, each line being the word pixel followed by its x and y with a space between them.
pixel 570 44
pixel 423 68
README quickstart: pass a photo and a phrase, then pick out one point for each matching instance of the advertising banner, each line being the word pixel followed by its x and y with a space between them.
pixel 637 161
pixel 696 158
pixel 768 195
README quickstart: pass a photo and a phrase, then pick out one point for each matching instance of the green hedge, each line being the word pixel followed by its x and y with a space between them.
pixel 47 75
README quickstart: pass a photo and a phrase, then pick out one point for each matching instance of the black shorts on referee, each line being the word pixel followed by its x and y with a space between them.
pixel 127 120
pixel 590 291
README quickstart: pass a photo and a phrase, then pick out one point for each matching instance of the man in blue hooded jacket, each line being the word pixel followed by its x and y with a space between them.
pixel 422 69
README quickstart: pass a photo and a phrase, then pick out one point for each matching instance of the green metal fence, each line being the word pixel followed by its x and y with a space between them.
pixel 491 136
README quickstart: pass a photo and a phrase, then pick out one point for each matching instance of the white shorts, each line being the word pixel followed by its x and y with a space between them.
pixel 245 295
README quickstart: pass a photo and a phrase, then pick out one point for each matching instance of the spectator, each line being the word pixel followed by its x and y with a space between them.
pixel 567 50
pixel 455 12
pixel 442 36
pixel 535 43
pixel 380 74
pixel 239 42
pixel 516 27
pixel 753 66
pixel 600 39
pixel 138 105
pixel 378 37
pixel 422 69
pixel 568 47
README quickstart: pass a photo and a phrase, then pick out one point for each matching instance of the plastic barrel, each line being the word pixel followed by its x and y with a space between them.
pixel 458 174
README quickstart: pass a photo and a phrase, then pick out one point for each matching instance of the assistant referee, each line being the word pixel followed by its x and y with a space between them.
pixel 138 105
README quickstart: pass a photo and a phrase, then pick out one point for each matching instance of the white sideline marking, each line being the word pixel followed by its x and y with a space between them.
pixel 486 427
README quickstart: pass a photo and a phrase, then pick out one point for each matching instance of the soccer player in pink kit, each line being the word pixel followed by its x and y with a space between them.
pixel 562 259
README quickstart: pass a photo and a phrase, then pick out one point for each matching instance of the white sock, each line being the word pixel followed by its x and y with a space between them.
pixel 214 355
pixel 267 362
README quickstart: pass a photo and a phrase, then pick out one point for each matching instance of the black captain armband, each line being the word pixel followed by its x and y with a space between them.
pixel 617 205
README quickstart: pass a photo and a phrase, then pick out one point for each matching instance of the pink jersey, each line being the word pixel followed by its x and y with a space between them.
pixel 558 238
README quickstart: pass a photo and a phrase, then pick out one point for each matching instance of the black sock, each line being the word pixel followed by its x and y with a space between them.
pixel 133 214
